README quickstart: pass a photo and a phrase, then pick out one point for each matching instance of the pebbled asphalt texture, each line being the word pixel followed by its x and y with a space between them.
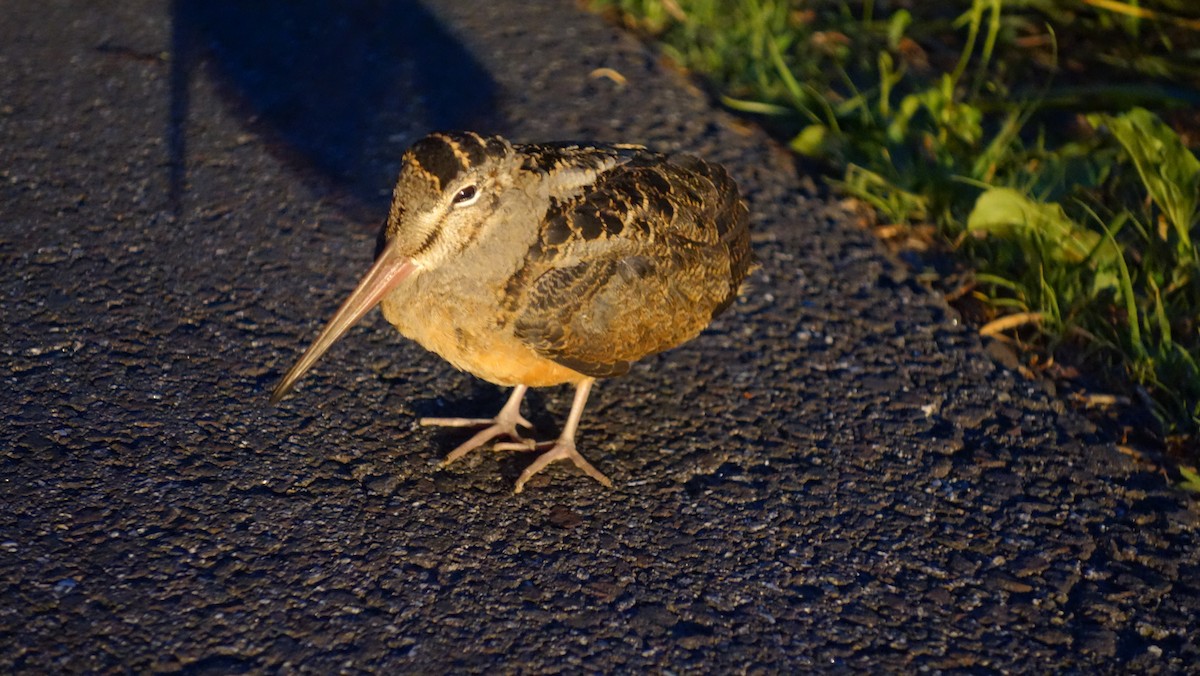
pixel 834 476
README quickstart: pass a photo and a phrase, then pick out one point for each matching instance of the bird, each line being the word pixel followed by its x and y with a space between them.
pixel 541 264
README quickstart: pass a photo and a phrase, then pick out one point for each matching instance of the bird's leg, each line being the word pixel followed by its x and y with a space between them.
pixel 504 424
pixel 564 447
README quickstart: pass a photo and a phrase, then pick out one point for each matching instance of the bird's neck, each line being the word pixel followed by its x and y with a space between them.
pixel 489 262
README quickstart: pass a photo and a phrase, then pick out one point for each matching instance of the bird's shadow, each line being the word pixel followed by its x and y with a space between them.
pixel 485 401
pixel 340 89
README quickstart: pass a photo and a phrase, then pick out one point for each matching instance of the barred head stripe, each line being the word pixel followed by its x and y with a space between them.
pixel 475 148
pixel 457 148
pixel 435 155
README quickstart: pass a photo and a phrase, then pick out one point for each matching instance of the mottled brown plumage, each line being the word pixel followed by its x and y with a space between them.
pixel 535 265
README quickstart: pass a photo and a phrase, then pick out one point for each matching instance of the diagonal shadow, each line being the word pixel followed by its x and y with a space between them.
pixel 340 88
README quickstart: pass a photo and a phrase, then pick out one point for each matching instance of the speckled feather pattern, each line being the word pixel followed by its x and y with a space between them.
pixel 637 263
pixel 591 258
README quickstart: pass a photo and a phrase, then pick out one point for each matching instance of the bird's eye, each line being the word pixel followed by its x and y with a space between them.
pixel 466 196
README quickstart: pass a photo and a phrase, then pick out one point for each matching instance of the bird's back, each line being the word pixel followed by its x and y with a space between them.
pixel 634 263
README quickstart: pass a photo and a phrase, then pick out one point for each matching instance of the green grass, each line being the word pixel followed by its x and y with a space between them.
pixel 1027 133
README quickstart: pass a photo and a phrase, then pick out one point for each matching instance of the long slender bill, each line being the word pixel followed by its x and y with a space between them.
pixel 389 270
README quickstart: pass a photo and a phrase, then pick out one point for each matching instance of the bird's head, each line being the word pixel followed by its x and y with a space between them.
pixel 449 185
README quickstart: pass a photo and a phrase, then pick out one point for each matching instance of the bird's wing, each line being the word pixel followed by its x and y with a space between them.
pixel 636 262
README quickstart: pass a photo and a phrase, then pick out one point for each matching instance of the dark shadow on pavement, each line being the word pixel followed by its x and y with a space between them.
pixel 342 88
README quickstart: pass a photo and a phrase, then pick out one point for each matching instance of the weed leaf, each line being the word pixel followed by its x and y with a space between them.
pixel 1170 172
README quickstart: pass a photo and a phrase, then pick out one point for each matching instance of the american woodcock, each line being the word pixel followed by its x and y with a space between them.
pixel 541 264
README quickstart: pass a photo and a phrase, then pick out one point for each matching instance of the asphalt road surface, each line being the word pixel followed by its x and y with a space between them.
pixel 835 475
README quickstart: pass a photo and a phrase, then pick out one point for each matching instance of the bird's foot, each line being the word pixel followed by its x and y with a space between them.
pixel 563 449
pixel 503 425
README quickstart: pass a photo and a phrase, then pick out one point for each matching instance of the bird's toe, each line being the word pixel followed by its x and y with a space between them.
pixel 562 449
